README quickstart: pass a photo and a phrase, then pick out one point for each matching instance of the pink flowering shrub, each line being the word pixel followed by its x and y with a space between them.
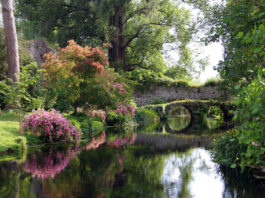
pixel 92 112
pixel 119 87
pixel 125 110
pixel 97 113
pixel 49 126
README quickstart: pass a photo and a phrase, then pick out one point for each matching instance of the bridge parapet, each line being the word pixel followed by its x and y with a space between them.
pixel 172 93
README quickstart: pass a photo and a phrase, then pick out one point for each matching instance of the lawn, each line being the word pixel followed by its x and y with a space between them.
pixel 9 138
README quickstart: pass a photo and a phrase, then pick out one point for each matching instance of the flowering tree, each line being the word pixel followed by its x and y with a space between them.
pixel 80 76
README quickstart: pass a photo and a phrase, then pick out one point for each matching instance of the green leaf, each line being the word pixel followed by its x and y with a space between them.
pixel 233 166
pixel 237 87
pixel 240 34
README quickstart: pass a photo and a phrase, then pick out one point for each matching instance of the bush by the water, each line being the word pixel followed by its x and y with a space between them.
pixel 227 150
pixel 49 126
pixel 91 128
pixel 120 121
pixel 250 114
pixel 147 119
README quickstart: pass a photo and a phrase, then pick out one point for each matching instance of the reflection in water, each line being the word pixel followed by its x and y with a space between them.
pixel 95 142
pixel 178 123
pixel 47 163
pixel 178 118
pixel 122 141
pixel 192 174
pixel 128 172
pixel 213 123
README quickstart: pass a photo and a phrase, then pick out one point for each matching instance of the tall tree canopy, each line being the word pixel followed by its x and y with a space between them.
pixel 136 29
pixel 229 22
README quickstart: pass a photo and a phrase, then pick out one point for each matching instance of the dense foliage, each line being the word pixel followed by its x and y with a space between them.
pixel 49 126
pixel 136 30
pixel 25 57
pixel 227 150
pixel 79 77
pixel 147 119
pixel 250 114
pixel 21 95
pixel 227 21
pixel 215 112
pixel 245 67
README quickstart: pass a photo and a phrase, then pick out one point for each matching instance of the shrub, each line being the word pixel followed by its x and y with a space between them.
pixel 19 94
pixel 80 75
pixel 125 110
pixel 144 78
pixel 91 128
pixel 120 122
pixel 113 119
pixel 91 112
pixel 147 119
pixel 227 150
pixel 250 102
pixel 49 126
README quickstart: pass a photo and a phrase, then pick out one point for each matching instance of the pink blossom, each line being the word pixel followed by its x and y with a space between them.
pixel 254 144
pixel 50 124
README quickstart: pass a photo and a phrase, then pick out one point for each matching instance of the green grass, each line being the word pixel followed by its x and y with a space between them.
pixel 10 140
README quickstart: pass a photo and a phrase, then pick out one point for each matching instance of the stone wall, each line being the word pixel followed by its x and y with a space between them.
pixel 169 94
pixel 38 48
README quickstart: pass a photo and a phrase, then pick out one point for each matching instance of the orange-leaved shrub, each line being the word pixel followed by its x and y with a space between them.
pixel 79 76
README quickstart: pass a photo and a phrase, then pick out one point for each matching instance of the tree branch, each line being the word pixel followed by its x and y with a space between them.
pixel 140 11
pixel 132 38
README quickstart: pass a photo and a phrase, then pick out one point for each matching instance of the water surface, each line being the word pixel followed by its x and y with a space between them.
pixel 136 165
pixel 140 165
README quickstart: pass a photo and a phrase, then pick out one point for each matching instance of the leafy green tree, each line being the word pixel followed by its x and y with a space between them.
pixel 227 21
pixel 79 76
pixel 16 92
pixel 25 57
pixel 136 30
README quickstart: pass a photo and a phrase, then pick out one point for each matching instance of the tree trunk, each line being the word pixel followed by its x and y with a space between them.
pixel 11 40
pixel 117 52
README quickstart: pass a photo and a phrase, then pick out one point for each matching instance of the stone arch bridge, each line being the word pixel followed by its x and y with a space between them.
pixel 197 110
